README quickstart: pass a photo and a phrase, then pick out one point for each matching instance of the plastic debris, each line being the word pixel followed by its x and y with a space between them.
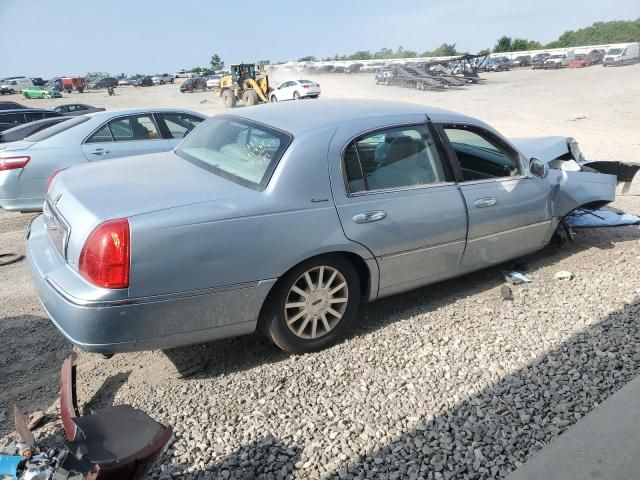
pixel 515 278
pixel 584 218
pixel 563 275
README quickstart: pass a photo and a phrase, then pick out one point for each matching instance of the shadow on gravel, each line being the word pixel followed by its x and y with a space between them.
pixel 491 433
pixel 104 396
pixel 487 435
pixel 268 458
pixel 30 358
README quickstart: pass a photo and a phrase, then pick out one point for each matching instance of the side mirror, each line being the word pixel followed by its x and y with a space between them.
pixel 538 168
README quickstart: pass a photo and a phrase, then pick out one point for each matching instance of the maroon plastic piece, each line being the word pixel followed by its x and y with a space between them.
pixel 122 441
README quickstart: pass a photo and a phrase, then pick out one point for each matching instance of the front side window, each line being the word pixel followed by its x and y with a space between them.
pixel 238 149
pixel 392 158
pixel 134 127
pixel 481 154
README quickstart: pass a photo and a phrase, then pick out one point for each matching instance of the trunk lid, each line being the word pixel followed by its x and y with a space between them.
pixel 132 186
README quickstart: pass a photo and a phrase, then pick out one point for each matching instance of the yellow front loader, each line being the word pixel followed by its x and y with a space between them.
pixel 244 84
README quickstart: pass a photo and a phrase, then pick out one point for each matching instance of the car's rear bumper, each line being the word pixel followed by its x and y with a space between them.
pixel 164 321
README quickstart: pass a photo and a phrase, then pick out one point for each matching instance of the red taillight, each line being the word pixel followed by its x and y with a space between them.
pixel 10 163
pixel 105 257
pixel 305 86
pixel 52 178
pixel 318 85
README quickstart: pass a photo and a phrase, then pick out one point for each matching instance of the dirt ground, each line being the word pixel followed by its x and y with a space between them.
pixel 598 106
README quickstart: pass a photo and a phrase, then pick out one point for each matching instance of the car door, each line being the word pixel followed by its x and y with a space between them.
pixel 124 136
pixel 395 195
pixel 285 92
pixel 509 209
pixel 177 125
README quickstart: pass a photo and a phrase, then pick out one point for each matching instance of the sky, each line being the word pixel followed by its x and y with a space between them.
pixel 48 38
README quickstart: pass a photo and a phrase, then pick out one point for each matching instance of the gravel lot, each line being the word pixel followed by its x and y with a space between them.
pixel 448 381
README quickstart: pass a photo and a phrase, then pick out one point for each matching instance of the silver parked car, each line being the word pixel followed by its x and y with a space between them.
pixel 287 216
pixel 26 166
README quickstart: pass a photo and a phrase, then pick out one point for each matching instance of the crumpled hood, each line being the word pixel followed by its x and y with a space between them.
pixel 542 148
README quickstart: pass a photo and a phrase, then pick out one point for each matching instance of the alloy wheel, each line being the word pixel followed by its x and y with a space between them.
pixel 316 302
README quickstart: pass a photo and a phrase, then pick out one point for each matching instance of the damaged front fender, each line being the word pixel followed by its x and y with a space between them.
pixel 580 189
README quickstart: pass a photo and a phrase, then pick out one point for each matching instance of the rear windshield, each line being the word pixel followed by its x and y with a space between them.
pixel 243 151
pixel 56 129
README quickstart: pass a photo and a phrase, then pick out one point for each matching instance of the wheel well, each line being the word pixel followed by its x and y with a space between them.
pixel 354 259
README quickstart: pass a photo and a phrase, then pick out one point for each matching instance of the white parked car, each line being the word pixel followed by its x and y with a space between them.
pixel 124 81
pixel 213 81
pixel 295 90
pixel 15 85
pixel 161 79
pixel 558 60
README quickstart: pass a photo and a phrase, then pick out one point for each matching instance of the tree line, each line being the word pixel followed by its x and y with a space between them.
pixel 616 31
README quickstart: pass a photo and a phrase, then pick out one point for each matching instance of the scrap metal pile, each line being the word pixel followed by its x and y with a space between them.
pixel 434 75
pixel 116 443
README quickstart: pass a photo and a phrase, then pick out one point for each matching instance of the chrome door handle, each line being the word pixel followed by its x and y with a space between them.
pixel 100 151
pixel 367 217
pixel 485 202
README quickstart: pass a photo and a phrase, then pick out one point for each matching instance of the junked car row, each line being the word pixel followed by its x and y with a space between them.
pixel 284 218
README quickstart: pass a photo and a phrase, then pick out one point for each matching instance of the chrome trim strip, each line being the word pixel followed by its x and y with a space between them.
pixel 420 249
pixel 150 299
pixel 400 189
pixel 497 234
pixel 494 180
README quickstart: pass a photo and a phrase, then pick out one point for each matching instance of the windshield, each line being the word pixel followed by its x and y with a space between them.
pixel 555 56
pixel 614 51
pixel 56 129
pixel 238 149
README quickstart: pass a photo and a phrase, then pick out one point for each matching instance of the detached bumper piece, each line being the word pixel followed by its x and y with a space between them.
pixel 118 443
pixel 624 171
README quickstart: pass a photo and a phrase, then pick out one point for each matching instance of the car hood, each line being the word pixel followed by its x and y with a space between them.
pixel 133 186
pixel 542 148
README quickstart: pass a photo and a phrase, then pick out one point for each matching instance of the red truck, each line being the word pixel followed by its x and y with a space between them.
pixel 74 83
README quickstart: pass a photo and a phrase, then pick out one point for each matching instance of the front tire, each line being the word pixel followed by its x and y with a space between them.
pixel 250 97
pixel 274 99
pixel 313 305
pixel 229 99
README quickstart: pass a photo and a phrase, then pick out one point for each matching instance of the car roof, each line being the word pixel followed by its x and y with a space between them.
pixel 26 110
pixel 297 117
pixel 129 111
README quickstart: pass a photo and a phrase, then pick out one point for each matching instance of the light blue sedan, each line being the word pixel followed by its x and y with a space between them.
pixel 285 217
pixel 26 166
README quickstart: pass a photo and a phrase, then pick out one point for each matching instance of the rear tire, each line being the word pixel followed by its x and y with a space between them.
pixel 229 99
pixel 331 286
pixel 250 97
pixel 296 96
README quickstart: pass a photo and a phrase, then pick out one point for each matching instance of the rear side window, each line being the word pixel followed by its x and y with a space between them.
pixel 103 134
pixel 241 150
pixel 13 118
pixel 180 124
pixel 392 158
